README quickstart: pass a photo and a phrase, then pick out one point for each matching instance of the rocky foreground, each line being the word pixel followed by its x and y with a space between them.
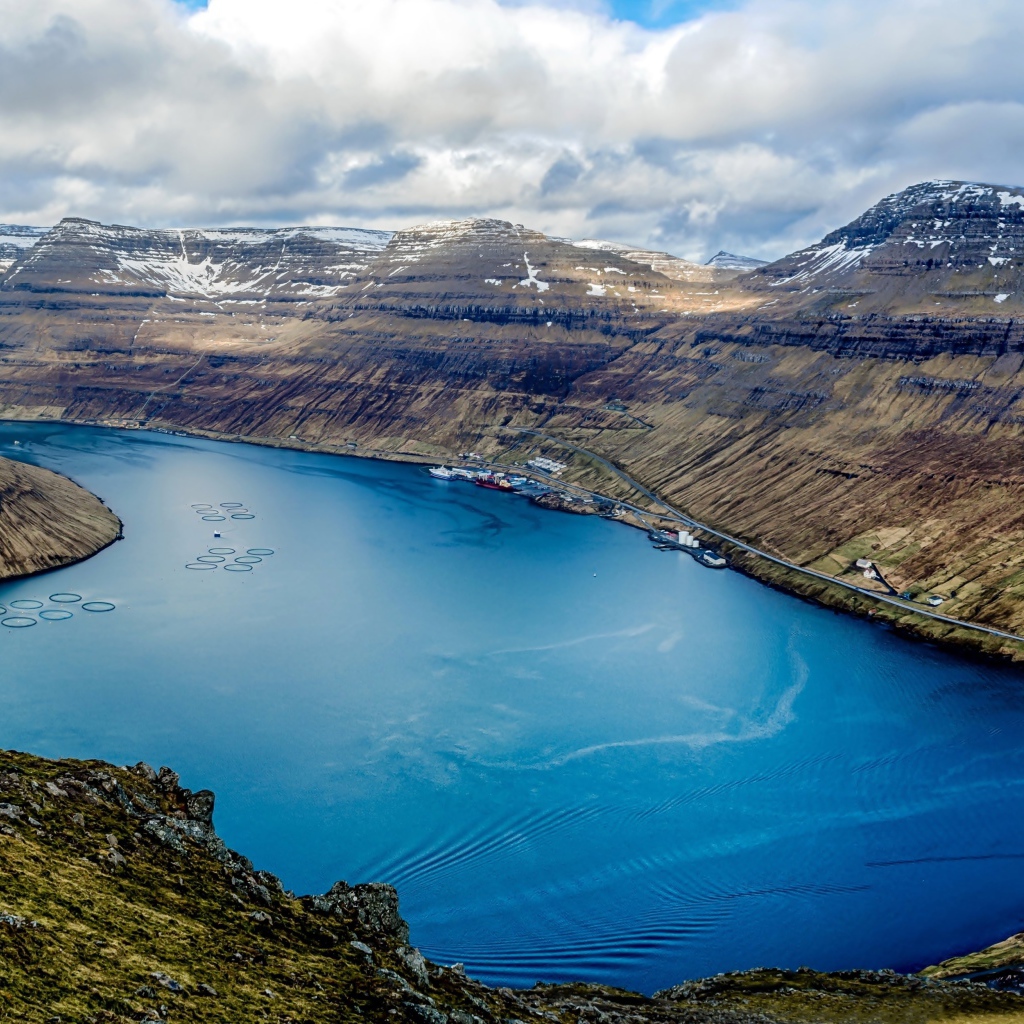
pixel 118 902
pixel 47 521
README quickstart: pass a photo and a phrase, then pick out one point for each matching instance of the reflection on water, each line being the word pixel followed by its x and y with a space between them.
pixel 653 773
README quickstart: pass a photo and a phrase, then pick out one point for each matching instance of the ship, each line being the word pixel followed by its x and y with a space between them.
pixel 442 473
pixel 493 481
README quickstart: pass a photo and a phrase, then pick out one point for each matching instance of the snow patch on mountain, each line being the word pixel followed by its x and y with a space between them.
pixel 730 261
pixel 215 263
pixel 820 260
pixel 14 240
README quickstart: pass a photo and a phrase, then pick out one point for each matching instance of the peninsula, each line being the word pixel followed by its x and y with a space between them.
pixel 47 521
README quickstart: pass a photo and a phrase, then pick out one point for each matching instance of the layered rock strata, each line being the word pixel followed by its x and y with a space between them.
pixel 861 399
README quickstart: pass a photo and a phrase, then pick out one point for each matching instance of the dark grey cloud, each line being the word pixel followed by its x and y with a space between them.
pixel 562 174
pixel 383 170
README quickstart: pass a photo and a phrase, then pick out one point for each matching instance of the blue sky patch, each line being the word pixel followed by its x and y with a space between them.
pixel 660 13
pixel 649 13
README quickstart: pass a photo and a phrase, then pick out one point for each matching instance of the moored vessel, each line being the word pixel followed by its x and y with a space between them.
pixel 493 481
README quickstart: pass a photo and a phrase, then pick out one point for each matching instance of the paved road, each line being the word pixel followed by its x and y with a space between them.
pixel 678 516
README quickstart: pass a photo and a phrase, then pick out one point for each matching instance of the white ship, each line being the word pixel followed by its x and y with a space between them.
pixel 442 473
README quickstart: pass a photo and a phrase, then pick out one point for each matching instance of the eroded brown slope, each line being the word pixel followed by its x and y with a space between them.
pixel 821 424
pixel 48 521
pixel 824 458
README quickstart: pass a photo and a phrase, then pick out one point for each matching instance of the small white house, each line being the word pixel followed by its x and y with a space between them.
pixel 935 600
pixel 865 563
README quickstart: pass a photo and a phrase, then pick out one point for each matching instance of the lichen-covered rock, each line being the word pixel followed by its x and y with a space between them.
pixel 374 905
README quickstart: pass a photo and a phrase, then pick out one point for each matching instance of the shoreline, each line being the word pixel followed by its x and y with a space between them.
pixel 685 988
pixel 965 638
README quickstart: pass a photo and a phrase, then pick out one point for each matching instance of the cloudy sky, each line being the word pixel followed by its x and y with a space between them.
pixel 689 125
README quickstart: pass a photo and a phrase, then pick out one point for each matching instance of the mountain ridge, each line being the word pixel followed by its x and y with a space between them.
pixel 874 404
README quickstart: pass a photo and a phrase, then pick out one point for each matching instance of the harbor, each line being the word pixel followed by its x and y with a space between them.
pixel 561 499
pixel 683 540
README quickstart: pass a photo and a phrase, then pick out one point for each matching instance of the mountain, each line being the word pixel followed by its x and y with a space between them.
pixel 728 261
pixel 937 248
pixel 14 240
pixel 674 267
pixel 239 263
pixel 864 396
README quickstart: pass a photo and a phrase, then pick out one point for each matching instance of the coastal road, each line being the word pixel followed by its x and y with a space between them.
pixel 680 517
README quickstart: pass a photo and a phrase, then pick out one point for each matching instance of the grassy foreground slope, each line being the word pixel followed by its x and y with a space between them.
pixel 47 521
pixel 118 902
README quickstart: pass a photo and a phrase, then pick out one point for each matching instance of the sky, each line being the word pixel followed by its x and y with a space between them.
pixel 691 126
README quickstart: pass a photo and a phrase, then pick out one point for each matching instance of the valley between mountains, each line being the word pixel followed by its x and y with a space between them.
pixel 861 399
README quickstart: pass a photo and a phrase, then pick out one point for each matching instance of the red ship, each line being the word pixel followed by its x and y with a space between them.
pixel 494 481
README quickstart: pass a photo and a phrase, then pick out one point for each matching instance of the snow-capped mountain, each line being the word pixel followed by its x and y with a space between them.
pixel 936 243
pixel 241 263
pixel 730 261
pixel 674 267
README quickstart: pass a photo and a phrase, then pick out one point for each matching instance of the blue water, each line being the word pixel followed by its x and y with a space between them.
pixel 648 774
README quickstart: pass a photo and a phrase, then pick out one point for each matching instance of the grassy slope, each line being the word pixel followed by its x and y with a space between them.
pixel 118 902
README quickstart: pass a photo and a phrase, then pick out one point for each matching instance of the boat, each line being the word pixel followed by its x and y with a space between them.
pixel 442 473
pixel 465 474
pixel 493 481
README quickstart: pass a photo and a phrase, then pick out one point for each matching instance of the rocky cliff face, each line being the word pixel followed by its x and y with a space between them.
pixel 119 902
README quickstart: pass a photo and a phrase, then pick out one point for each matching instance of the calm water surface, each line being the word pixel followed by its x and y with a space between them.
pixel 648 774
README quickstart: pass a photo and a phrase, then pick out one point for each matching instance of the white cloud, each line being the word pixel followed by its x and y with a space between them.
pixel 756 129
